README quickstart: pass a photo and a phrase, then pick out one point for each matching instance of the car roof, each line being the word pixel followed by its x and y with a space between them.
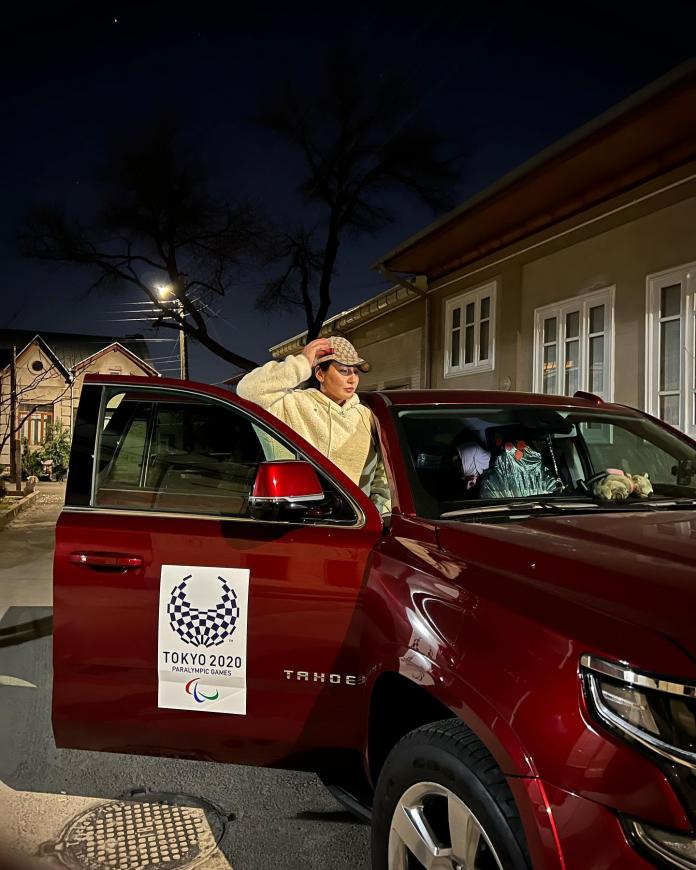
pixel 397 397
pixel 492 397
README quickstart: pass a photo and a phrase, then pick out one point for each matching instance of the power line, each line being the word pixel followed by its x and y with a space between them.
pixel 140 302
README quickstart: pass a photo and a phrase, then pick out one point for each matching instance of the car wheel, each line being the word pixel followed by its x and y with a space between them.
pixel 443 803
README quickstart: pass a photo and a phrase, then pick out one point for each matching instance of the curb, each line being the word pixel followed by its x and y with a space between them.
pixel 8 515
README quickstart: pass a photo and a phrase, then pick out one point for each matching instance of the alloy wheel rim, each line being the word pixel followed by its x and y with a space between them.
pixel 433 828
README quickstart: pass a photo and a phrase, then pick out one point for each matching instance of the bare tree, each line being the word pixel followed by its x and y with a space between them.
pixel 294 285
pixel 24 392
pixel 157 223
pixel 362 144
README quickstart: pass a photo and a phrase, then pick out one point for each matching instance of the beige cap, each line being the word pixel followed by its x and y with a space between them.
pixel 342 351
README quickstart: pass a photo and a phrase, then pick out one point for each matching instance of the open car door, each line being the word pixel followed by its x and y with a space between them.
pixel 186 621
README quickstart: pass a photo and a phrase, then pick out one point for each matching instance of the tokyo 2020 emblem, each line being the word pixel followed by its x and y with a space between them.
pixel 203 627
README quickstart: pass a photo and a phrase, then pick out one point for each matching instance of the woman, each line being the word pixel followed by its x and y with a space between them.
pixel 329 416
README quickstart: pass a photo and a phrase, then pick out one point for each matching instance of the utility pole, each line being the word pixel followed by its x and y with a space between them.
pixel 183 355
pixel 164 291
pixel 15 444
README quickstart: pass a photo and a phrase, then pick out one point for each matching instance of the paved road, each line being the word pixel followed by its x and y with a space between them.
pixel 26 552
pixel 283 820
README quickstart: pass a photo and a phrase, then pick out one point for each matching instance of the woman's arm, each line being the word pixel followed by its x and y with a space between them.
pixel 270 383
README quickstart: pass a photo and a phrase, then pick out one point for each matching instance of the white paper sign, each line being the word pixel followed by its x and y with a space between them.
pixel 202 643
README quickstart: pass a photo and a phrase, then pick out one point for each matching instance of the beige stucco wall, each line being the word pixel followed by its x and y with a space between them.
pixel 51 387
pixel 621 251
pixel 114 362
pixel 504 374
pixel 392 344
pixel 48 387
pixel 622 257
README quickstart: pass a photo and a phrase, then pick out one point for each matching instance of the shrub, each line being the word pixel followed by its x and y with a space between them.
pixel 57 447
pixel 31 459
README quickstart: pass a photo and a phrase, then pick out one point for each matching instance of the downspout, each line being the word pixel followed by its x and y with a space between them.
pixel 418 285
pixel 72 384
pixel 427 365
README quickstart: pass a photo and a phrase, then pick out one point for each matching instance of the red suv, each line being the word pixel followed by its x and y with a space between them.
pixel 501 673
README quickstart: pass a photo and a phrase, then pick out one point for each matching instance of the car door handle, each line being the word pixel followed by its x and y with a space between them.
pixel 118 561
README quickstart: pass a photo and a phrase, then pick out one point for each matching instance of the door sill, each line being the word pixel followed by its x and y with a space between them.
pixel 355 807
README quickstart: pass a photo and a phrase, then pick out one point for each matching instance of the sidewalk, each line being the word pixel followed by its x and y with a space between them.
pixel 12 505
pixel 26 551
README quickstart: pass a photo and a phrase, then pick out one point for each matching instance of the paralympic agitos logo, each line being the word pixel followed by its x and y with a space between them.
pixel 198 696
pixel 203 627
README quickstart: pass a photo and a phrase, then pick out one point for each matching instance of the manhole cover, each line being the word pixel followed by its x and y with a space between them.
pixel 150 833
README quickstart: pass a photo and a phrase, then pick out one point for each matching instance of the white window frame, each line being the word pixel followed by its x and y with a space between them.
pixel 686 276
pixel 461 301
pixel 559 310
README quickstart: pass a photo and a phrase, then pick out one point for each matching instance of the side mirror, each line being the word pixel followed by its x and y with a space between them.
pixel 284 488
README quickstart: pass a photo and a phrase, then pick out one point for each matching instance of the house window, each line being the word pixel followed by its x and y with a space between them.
pixel 470 332
pixel 573 345
pixel 671 347
pixel 35 427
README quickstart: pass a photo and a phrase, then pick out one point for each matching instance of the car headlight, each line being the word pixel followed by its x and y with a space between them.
pixel 657 713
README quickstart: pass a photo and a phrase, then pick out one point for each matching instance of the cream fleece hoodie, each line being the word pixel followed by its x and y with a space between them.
pixel 343 433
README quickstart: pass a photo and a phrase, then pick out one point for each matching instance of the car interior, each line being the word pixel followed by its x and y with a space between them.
pixel 554 456
pixel 461 457
pixel 182 456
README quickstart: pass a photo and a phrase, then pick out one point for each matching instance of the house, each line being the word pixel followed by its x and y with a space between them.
pixel 387 329
pixel 577 271
pixel 50 371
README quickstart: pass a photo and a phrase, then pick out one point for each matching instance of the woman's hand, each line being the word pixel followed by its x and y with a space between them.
pixel 316 349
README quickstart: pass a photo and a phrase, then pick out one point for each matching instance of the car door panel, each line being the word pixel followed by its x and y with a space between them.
pixel 303 685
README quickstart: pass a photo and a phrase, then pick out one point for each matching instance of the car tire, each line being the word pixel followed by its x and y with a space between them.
pixel 437 780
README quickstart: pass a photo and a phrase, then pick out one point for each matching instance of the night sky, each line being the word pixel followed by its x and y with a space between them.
pixel 500 80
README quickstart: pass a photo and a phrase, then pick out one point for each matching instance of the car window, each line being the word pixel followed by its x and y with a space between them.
pixel 182 454
pixel 616 447
pixel 463 456
pixel 123 440
pixel 272 448
pixel 178 454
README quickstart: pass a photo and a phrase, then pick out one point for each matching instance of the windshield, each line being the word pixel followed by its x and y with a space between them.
pixel 467 457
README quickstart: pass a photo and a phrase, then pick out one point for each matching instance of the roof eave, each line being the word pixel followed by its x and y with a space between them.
pixel 50 353
pixel 117 345
pixel 393 298
pixel 672 78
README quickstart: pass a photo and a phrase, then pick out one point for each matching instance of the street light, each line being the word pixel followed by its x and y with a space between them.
pixel 165 290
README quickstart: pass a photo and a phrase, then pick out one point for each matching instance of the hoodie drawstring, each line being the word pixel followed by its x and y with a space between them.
pixel 328 449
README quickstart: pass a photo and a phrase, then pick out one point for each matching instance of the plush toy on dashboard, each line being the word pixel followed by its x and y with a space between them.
pixel 643 487
pixel 616 485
